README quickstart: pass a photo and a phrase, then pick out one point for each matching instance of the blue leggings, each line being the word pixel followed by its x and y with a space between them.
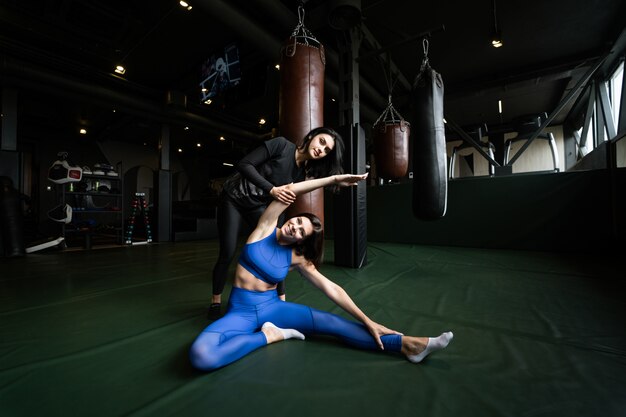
pixel 238 332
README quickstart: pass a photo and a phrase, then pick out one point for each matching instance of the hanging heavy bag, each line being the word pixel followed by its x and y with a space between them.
pixel 430 180
pixel 301 101
pixel 391 149
pixel 391 144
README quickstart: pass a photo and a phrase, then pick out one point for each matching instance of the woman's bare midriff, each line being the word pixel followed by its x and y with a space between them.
pixel 244 279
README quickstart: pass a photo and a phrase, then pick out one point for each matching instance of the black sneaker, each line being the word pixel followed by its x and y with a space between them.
pixel 215 311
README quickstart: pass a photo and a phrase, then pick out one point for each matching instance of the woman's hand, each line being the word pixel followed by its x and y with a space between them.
pixel 346 180
pixel 378 330
pixel 283 194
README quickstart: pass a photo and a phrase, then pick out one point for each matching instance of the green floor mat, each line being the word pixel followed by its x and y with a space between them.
pixel 106 333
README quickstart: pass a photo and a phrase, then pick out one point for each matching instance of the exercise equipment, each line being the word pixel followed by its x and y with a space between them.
pixel 61 214
pixel 301 103
pixel 61 172
pixel 430 180
pixel 391 144
pixel 139 207
pixel 58 243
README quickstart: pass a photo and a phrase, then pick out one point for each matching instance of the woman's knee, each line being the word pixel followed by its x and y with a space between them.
pixel 203 356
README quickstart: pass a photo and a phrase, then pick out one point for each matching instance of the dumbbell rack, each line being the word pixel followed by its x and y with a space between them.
pixel 139 207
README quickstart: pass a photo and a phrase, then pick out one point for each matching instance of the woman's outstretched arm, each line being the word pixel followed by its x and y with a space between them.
pixel 269 218
pixel 340 297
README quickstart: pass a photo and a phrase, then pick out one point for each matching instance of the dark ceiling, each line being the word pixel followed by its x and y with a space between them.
pixel 61 54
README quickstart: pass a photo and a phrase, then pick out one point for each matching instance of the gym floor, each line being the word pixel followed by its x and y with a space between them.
pixel 106 333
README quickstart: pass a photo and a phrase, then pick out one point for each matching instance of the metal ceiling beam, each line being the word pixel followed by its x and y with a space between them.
pixel 574 91
pixel 25 75
pixel 371 39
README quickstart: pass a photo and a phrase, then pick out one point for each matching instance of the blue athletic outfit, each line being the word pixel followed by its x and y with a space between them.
pixel 238 332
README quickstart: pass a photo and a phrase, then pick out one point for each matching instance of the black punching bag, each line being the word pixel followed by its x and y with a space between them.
pixel 11 219
pixel 430 179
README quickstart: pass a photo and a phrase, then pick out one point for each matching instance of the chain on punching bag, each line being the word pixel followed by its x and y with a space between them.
pixel 430 179
pixel 391 144
pixel 301 106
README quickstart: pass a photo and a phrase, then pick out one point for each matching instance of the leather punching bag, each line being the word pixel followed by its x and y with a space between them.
pixel 430 179
pixel 391 149
pixel 301 106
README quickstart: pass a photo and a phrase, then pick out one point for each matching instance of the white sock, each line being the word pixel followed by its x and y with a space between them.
pixel 434 344
pixel 287 333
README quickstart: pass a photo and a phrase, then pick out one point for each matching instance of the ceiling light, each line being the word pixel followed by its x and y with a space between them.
pixel 262 121
pixel 83 131
pixel 227 164
pixel 496 39
pixel 500 106
pixel 204 89
pixel 222 138
pixel 120 70
pixel 180 150
pixel 332 99
pixel 186 127
pixel 199 145
pixel 277 66
pixel 208 101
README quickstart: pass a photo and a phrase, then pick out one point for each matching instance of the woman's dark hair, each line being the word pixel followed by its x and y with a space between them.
pixel 312 248
pixel 331 164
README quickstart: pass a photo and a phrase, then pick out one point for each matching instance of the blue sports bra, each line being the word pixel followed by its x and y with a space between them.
pixel 266 259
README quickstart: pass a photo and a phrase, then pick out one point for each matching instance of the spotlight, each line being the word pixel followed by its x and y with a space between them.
pixel 120 70
pixel 222 138
pixel 262 121
pixel 180 150
pixel 83 131
pixel 199 145
pixel 277 66
pixel 208 101
pixel 185 5
pixel 496 40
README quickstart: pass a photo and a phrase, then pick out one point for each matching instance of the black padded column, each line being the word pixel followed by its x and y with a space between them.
pixel 163 189
pixel 350 217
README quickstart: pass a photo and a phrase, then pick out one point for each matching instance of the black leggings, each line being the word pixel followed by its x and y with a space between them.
pixel 231 221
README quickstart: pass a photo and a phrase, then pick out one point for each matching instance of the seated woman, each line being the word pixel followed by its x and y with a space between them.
pixel 257 317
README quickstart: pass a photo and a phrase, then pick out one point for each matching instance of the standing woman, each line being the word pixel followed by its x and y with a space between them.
pixel 256 317
pixel 263 176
